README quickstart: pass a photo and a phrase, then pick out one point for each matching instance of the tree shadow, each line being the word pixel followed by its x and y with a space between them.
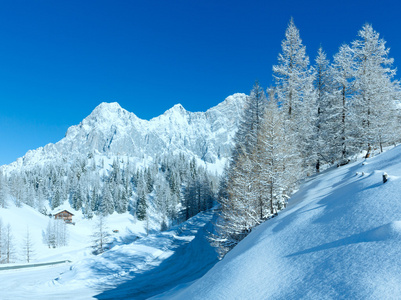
pixel 377 234
pixel 191 259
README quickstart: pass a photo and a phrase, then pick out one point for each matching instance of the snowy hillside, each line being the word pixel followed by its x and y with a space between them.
pixel 112 131
pixel 340 238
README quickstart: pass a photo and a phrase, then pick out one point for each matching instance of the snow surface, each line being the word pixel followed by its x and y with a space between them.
pixel 137 266
pixel 340 238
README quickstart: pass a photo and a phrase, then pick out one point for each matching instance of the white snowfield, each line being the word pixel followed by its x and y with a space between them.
pixel 340 238
pixel 134 268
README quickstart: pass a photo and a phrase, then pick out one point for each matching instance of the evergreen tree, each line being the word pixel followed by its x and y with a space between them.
pixel 142 205
pixel 106 206
pixel 56 200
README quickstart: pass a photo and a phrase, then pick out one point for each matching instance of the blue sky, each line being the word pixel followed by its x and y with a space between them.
pixel 60 59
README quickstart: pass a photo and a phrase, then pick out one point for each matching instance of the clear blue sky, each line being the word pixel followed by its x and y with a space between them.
pixel 60 59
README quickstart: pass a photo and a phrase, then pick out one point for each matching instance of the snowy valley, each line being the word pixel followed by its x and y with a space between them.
pixel 276 195
pixel 132 159
pixel 340 237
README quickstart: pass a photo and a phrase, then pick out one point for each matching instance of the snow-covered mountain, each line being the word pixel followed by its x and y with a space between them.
pixel 113 131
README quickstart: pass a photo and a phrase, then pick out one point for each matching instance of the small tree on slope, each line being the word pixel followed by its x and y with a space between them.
pixel 100 235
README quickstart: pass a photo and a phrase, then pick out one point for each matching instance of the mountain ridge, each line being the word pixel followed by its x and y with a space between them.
pixel 111 130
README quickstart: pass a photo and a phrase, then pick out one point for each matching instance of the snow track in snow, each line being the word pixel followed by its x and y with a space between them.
pixel 139 270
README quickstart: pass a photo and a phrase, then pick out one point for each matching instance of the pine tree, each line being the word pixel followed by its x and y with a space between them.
pixel 142 205
pixel 106 206
pixel 122 203
pixel 56 201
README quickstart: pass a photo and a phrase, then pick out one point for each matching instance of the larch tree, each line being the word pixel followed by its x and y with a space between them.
pixel 247 135
pixel 296 94
pixel 339 129
pixel 374 89
pixel 277 160
pixel 100 234
pixel 242 200
pixel 9 250
pixel 322 85
pixel 27 246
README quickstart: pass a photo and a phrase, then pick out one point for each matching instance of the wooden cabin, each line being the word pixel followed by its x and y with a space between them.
pixel 65 215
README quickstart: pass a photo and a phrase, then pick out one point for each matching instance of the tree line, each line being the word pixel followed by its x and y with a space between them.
pixel 171 189
pixel 314 115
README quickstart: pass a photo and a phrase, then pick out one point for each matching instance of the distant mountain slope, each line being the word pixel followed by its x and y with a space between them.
pixel 111 130
pixel 340 238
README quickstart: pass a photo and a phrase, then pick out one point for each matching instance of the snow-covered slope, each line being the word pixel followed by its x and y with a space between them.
pixel 136 267
pixel 111 130
pixel 340 238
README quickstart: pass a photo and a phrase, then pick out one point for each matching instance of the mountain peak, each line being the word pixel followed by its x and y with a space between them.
pixel 107 111
pixel 108 106
pixel 176 108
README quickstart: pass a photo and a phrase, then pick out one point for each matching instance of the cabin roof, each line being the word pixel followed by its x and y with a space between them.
pixel 64 211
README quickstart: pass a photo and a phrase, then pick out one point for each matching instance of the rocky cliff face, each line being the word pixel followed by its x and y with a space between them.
pixel 113 131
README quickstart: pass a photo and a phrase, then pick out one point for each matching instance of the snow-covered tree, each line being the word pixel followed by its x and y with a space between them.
pixel 322 86
pixel 142 203
pixel 100 234
pixel 56 233
pixel 9 248
pixel 339 130
pixel 106 206
pixel 278 162
pixel 296 94
pixel 375 91
pixel 27 246
pixel 1 241
pixel 247 135
pixel 3 191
